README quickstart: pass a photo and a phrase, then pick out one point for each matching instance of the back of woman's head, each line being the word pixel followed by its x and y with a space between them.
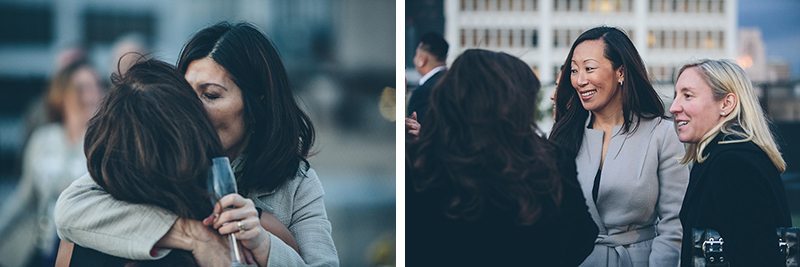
pixel 480 141
pixel 638 95
pixel 746 120
pixel 281 133
pixel 151 142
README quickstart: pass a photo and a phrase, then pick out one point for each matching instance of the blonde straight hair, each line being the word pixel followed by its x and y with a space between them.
pixel 747 119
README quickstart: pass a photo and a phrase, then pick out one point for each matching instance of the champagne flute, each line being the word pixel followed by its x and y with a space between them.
pixel 221 182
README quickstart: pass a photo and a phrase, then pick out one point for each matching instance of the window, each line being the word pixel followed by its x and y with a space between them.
pixel 26 24
pixel 104 26
pixel 555 38
pixel 651 39
pixel 709 40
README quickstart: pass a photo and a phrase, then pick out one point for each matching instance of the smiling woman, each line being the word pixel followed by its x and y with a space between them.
pixel 609 116
pixel 737 165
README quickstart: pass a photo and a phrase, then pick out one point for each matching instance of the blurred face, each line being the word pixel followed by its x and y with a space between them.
pixel 595 79
pixel 223 101
pixel 85 95
pixel 695 109
pixel 420 59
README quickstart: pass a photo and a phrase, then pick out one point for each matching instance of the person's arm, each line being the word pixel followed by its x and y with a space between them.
pixel 64 255
pixel 309 226
pixel 275 227
pixel 746 204
pixel 87 215
pixel 673 178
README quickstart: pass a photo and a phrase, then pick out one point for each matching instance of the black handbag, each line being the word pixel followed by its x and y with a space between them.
pixel 708 247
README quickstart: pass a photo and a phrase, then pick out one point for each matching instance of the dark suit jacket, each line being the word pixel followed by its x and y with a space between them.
pixel 421 96
pixel 563 236
pixel 738 192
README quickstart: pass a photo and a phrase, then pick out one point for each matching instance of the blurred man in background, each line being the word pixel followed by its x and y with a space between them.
pixel 430 62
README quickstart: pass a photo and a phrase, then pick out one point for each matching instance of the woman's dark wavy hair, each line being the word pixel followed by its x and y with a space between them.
pixel 281 134
pixel 151 142
pixel 638 96
pixel 480 141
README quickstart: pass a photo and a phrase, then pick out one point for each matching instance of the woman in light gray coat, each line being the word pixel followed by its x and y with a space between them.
pixel 240 79
pixel 610 117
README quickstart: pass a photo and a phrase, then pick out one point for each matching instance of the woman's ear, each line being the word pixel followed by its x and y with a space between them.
pixel 620 75
pixel 728 104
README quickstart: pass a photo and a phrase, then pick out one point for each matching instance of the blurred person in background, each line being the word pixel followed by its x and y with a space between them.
pixel 736 187
pixel 243 85
pixel 36 113
pixel 52 160
pixel 430 62
pixel 483 187
pixel 130 43
pixel 612 120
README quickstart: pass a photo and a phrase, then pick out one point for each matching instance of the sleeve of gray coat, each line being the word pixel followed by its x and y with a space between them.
pixel 310 227
pixel 673 178
pixel 88 216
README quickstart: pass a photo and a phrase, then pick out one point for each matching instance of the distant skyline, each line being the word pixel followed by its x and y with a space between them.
pixel 779 21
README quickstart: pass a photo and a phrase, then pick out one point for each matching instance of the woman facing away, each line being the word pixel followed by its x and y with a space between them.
pixel 611 118
pixel 735 186
pixel 52 160
pixel 483 188
pixel 241 82
pixel 151 143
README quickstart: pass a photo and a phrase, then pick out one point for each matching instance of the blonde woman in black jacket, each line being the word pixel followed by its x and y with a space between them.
pixel 735 186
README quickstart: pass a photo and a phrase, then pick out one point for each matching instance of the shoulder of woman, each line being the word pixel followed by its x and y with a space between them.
pixel 50 130
pixel 737 160
pixel 304 180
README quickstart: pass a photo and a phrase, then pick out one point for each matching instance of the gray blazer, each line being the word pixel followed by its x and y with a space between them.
pixel 639 196
pixel 88 216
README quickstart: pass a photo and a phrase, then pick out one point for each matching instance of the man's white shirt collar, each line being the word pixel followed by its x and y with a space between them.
pixel 431 73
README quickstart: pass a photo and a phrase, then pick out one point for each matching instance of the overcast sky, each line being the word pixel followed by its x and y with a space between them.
pixel 779 21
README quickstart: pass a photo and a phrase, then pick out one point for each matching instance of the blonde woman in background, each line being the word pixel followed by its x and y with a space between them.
pixel 735 186
pixel 52 159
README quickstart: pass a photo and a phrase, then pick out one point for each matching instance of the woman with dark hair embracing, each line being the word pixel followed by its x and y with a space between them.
pixel 241 82
pixel 611 119
pixel 483 188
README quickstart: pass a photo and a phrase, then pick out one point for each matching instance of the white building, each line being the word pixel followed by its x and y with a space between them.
pixel 667 33
pixel 752 55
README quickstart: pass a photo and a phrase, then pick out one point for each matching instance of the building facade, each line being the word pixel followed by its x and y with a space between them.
pixel 667 33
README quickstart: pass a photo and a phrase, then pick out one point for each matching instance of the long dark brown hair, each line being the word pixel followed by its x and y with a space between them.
pixel 638 96
pixel 151 143
pixel 480 142
pixel 281 134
